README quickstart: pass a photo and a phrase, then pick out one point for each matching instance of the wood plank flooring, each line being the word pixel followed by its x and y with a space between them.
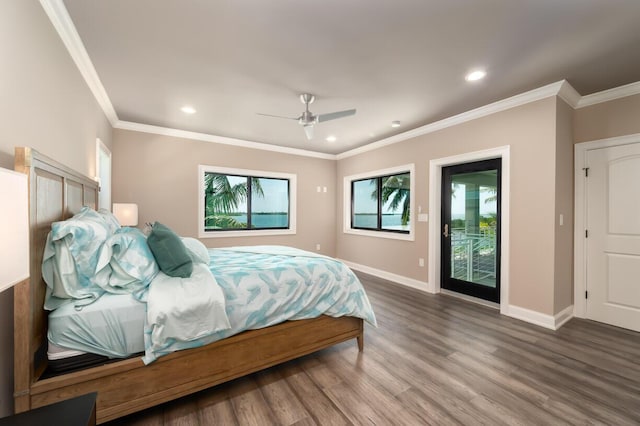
pixel 434 359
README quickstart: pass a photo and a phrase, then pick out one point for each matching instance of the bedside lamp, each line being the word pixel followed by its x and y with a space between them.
pixel 14 228
pixel 126 213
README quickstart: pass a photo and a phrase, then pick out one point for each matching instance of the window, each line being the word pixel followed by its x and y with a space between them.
pixel 235 202
pixel 380 203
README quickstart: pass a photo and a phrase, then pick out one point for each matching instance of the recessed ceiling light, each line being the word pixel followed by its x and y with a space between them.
pixel 475 75
pixel 395 123
pixel 331 138
pixel 187 109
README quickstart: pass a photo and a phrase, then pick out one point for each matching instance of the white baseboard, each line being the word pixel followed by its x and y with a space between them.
pixel 543 320
pixel 533 317
pixel 405 281
pixel 563 316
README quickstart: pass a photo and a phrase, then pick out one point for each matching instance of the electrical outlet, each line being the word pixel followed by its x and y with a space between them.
pixel 318 247
pixel 421 262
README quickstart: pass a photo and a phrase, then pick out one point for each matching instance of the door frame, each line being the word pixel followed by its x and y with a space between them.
pixel 580 215
pixel 104 186
pixel 458 285
pixel 435 221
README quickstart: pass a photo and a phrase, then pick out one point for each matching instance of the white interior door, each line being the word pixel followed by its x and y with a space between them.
pixel 103 166
pixel 613 243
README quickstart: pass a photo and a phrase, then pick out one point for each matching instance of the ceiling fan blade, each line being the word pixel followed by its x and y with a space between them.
pixel 333 115
pixel 308 130
pixel 277 116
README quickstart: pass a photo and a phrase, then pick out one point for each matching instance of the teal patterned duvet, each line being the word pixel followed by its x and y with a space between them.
pixel 267 285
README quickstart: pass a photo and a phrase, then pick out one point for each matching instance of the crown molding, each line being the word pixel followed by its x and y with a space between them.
pixel 524 98
pixel 568 94
pixel 59 17
pixel 204 137
pixel 609 95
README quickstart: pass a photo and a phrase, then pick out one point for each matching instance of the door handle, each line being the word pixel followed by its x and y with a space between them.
pixel 446 230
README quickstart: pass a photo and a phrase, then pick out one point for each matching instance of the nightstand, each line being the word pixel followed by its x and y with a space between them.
pixel 79 411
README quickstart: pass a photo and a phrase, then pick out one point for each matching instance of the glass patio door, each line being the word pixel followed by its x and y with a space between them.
pixel 470 234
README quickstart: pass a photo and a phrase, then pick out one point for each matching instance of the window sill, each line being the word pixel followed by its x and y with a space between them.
pixel 256 233
pixel 381 234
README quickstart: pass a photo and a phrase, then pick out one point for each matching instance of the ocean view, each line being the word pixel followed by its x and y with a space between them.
pixel 280 220
pixel 393 221
pixel 264 220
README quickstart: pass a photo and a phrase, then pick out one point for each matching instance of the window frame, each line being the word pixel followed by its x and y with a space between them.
pixel 379 232
pixel 223 233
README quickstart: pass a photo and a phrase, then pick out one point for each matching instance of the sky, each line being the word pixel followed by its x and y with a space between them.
pixel 458 203
pixel 362 196
pixel 276 196
pixel 364 203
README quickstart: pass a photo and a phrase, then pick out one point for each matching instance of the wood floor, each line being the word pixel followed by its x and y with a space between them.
pixel 437 360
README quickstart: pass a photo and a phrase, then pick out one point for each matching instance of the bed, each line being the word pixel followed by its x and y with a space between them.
pixel 126 386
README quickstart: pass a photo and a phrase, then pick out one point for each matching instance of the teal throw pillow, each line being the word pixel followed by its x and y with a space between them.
pixel 170 252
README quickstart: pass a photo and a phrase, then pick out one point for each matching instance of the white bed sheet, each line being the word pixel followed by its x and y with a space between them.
pixel 112 326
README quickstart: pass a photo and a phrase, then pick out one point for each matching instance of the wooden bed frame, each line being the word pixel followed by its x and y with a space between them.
pixel 127 386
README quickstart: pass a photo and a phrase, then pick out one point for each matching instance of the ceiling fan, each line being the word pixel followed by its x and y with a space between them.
pixel 307 119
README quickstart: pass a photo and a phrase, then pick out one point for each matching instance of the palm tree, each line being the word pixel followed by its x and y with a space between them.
pixel 491 190
pixel 397 189
pixel 221 198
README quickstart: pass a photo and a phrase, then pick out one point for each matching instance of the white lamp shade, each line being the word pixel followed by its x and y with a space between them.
pixel 14 228
pixel 126 213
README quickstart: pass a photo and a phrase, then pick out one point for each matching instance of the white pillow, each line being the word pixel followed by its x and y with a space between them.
pixel 125 263
pixel 198 251
pixel 71 255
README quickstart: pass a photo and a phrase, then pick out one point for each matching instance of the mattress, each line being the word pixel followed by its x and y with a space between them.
pixel 112 327
pixel 63 360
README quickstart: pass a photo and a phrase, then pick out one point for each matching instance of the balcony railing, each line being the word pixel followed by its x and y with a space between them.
pixel 473 255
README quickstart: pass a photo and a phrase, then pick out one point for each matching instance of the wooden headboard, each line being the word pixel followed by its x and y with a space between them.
pixel 56 193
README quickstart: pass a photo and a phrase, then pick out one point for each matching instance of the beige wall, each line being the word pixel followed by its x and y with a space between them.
pixel 45 104
pixel 160 174
pixel 608 119
pixel 44 101
pixel 563 279
pixel 530 130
